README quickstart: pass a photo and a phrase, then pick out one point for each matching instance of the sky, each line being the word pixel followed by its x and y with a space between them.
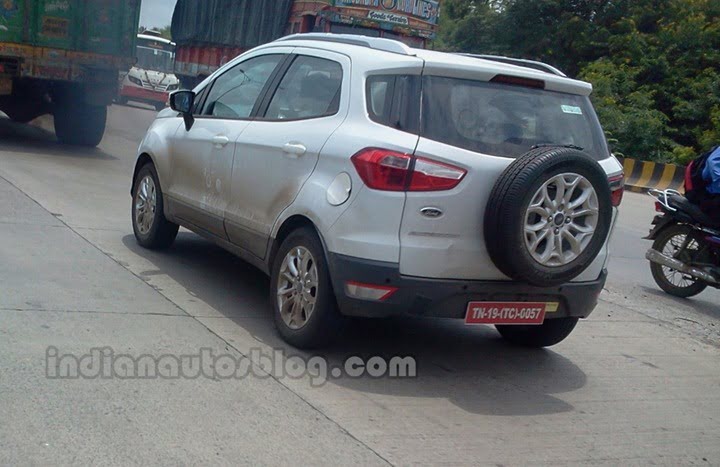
pixel 156 13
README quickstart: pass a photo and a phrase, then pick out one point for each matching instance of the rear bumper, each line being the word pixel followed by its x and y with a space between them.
pixel 449 298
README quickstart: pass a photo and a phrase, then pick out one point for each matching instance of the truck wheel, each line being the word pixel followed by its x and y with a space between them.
pixel 152 230
pixel 80 125
pixel 548 216
pixel 304 306
pixel 159 107
pixel 551 332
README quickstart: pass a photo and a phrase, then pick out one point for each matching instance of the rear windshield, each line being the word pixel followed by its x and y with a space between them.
pixel 504 120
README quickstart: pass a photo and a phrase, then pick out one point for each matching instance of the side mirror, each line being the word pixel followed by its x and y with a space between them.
pixel 183 102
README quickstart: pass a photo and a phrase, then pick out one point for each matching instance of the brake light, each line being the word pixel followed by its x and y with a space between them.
pixel 518 81
pixel 659 207
pixel 381 169
pixel 617 189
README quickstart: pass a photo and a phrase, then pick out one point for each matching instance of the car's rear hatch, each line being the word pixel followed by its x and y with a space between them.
pixel 480 120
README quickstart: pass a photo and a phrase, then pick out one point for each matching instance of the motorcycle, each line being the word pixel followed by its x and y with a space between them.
pixel 685 256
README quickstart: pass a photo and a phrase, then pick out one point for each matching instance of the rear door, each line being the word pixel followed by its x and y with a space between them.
pixel 279 150
pixel 482 127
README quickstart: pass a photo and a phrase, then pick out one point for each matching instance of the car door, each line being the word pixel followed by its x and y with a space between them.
pixel 278 151
pixel 203 156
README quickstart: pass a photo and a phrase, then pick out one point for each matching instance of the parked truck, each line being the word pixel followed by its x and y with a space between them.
pixel 62 57
pixel 209 33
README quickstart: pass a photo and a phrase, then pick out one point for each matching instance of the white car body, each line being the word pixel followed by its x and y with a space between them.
pixel 245 183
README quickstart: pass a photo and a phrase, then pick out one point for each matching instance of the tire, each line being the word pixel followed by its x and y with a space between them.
pixel 323 323
pixel 80 124
pixel 551 332
pixel 159 107
pixel 508 207
pixel 659 272
pixel 122 100
pixel 159 233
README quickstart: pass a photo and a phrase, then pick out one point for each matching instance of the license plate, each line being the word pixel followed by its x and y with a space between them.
pixel 527 313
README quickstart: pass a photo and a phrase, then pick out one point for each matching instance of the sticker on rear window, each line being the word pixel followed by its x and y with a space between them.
pixel 571 109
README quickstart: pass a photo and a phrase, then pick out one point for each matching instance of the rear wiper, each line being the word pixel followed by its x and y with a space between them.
pixel 569 146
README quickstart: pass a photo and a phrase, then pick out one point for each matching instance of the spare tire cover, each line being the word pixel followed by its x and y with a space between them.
pixel 548 216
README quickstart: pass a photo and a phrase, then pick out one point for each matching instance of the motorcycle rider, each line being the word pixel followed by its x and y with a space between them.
pixel 711 174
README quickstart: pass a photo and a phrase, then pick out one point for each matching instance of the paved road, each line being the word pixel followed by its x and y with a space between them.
pixel 637 383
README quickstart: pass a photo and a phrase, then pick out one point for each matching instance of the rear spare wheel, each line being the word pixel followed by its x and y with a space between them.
pixel 548 216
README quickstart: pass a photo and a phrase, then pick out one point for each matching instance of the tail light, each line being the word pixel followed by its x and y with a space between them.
pixel 381 169
pixel 617 189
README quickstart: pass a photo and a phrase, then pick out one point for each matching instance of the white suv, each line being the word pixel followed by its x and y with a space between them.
pixel 371 179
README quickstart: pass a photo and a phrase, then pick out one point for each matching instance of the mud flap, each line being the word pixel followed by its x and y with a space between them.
pixel 659 223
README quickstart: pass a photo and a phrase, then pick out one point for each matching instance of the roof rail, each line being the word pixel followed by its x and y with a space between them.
pixel 535 65
pixel 377 43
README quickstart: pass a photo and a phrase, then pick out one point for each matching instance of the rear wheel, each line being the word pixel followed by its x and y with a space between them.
pixel 670 243
pixel 80 124
pixel 551 332
pixel 304 306
pixel 159 106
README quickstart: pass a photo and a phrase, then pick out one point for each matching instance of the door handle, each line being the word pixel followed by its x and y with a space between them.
pixel 294 149
pixel 220 141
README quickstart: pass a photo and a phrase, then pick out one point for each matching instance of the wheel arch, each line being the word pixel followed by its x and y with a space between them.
pixel 289 225
pixel 142 160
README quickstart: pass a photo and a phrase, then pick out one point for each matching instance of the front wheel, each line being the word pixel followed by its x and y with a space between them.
pixel 304 306
pixel 152 230
pixel 670 243
pixel 551 332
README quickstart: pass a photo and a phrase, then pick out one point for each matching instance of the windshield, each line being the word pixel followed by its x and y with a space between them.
pixel 504 120
pixel 154 60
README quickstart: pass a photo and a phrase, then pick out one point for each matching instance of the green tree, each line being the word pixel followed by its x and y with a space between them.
pixel 654 63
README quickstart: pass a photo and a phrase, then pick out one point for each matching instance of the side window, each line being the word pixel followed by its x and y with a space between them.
pixel 394 101
pixel 380 97
pixel 234 93
pixel 310 89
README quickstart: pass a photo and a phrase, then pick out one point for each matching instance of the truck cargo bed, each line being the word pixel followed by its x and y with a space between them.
pixel 105 27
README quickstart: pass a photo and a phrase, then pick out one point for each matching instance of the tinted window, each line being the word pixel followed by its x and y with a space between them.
pixel 394 101
pixel 310 89
pixel 503 120
pixel 234 93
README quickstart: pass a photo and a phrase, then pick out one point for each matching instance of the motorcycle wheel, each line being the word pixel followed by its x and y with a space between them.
pixel 669 242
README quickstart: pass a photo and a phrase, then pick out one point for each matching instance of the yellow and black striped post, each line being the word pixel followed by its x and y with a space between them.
pixel 641 176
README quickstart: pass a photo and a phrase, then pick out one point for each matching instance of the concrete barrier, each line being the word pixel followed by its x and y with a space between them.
pixel 641 176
